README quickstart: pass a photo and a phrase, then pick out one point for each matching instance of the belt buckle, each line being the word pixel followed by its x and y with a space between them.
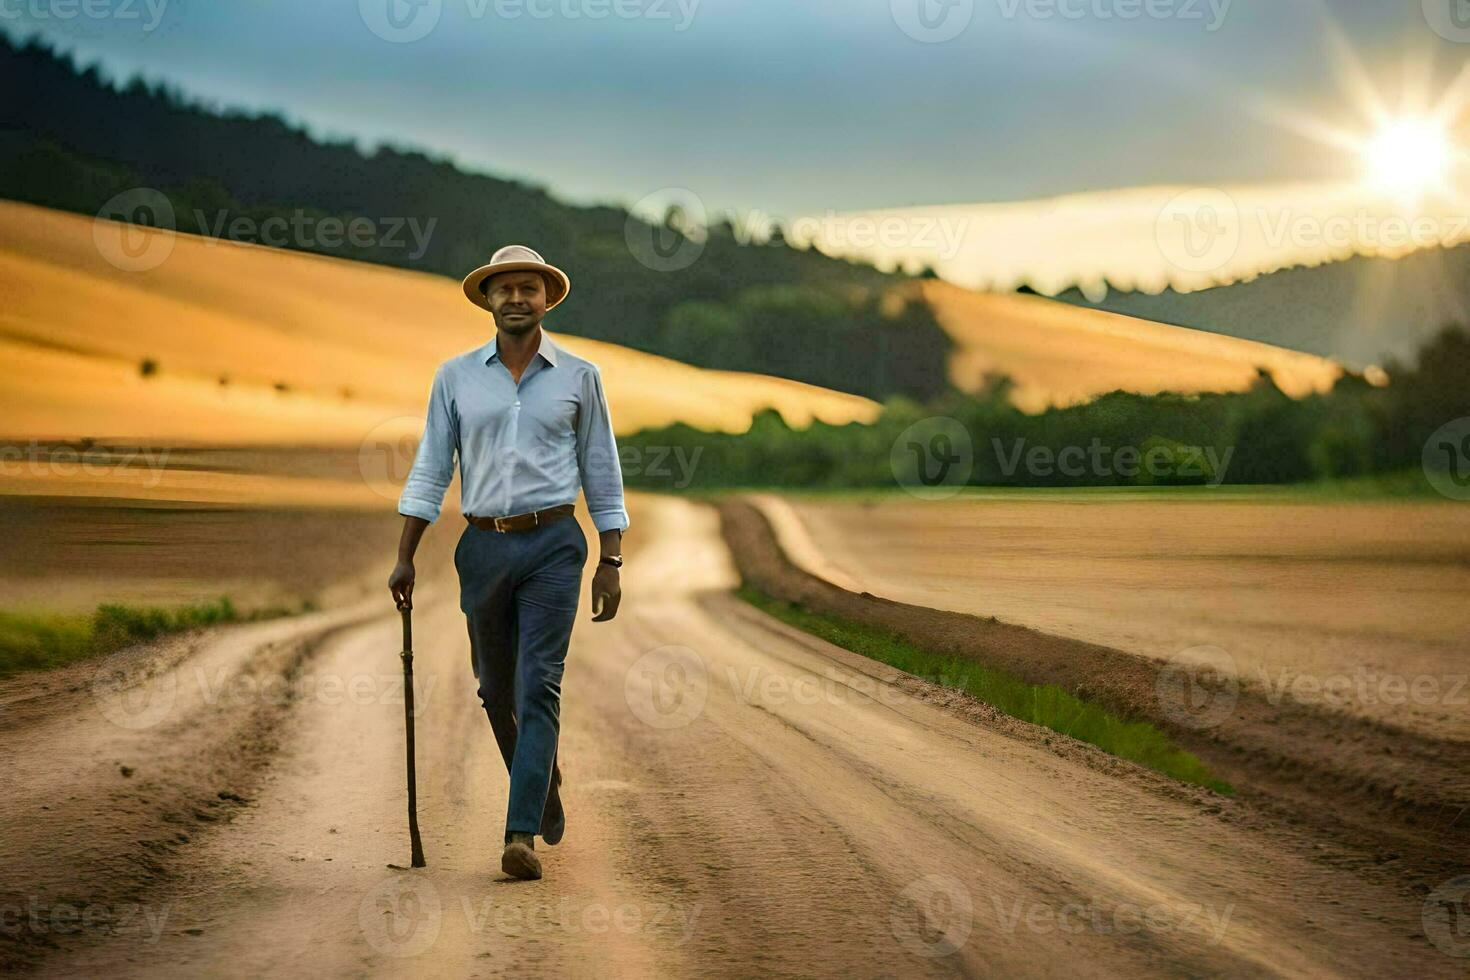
pixel 497 525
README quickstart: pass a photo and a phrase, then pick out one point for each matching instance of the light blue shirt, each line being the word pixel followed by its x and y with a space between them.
pixel 521 447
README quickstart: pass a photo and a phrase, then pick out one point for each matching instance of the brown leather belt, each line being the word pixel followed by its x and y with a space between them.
pixel 522 522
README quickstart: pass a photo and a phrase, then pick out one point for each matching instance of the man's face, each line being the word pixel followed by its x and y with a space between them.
pixel 517 300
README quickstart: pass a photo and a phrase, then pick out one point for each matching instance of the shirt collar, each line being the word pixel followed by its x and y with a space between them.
pixel 547 349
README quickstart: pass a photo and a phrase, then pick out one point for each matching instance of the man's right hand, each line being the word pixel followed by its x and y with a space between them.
pixel 400 583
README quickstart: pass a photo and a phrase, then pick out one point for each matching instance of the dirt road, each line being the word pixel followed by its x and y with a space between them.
pixel 743 800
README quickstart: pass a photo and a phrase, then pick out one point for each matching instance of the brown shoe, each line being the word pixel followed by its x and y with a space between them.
pixel 520 860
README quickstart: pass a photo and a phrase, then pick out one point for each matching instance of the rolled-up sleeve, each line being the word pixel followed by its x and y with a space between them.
pixel 433 463
pixel 597 457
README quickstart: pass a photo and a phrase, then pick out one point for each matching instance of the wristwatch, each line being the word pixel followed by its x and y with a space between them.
pixel 616 561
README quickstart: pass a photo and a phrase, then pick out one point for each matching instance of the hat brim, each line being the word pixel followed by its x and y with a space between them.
pixel 473 281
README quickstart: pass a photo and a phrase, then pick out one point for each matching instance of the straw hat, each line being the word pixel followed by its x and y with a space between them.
pixel 517 258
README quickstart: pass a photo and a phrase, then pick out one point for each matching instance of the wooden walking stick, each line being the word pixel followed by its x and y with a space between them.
pixel 406 608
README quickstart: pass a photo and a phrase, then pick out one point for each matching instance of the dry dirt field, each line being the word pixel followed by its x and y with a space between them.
pixel 1357 606
pixel 164 526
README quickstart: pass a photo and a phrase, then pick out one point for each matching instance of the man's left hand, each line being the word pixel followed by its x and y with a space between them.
pixel 607 592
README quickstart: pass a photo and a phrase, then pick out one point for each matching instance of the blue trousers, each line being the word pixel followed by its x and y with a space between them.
pixel 519 592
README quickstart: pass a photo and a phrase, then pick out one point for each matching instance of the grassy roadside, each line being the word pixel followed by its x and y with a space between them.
pixel 1046 705
pixel 1407 485
pixel 42 641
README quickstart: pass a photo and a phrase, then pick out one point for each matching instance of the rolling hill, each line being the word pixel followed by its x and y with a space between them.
pixel 249 345
pixel 1361 310
pixel 233 344
pixel 1060 355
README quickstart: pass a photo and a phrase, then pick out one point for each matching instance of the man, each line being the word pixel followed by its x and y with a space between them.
pixel 530 424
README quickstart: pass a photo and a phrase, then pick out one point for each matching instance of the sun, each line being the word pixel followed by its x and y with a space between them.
pixel 1408 156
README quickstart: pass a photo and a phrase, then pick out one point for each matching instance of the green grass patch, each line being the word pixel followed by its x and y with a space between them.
pixel 1046 705
pixel 42 641
pixel 1385 487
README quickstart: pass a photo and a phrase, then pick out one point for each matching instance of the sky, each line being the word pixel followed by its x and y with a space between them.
pixel 791 107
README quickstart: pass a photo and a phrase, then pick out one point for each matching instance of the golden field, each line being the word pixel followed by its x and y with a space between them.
pixel 251 343
pixel 1061 355
pixel 353 346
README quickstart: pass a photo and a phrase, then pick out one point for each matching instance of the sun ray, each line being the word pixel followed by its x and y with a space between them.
pixel 1352 74
pixel 1283 116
